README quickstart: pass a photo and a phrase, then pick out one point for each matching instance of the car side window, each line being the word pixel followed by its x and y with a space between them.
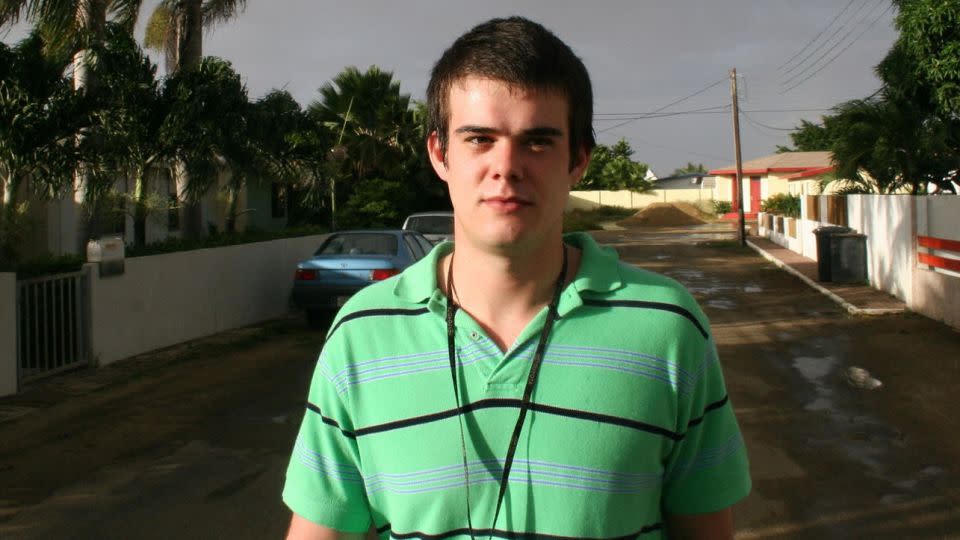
pixel 413 246
pixel 424 243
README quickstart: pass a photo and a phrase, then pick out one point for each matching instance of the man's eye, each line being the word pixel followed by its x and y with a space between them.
pixel 479 139
pixel 539 144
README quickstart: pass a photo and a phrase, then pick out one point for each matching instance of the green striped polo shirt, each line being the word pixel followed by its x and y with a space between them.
pixel 629 420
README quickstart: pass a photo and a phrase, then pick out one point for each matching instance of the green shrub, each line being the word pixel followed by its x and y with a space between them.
pixel 782 204
pixel 722 207
pixel 580 220
pixel 48 264
pixel 171 245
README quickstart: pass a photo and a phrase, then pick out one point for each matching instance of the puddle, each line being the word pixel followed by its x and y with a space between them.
pixel 813 368
pixel 722 303
pixel 752 289
pixel 683 274
pixel 662 257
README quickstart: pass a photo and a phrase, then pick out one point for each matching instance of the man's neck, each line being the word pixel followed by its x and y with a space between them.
pixel 503 293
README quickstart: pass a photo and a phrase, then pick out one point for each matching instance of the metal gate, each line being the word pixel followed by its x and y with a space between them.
pixel 52 324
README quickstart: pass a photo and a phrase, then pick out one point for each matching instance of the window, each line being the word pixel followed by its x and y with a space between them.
pixel 359 244
pixel 413 246
pixel 424 243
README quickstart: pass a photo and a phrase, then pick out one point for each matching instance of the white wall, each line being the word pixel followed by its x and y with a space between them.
pixel 162 300
pixel 588 200
pixel 8 333
pixel 887 220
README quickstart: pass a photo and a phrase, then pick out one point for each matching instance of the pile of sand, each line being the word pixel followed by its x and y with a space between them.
pixel 666 215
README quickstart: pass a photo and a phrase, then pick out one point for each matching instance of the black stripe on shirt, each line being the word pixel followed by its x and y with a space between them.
pixel 377 313
pixel 514 535
pixel 711 407
pixel 517 403
pixel 649 305
pixel 330 421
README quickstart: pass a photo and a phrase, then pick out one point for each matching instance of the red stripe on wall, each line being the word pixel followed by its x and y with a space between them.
pixel 939 262
pixel 938 243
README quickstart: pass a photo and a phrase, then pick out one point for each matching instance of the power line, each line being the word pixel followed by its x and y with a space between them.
pixel 830 61
pixel 723 109
pixel 645 114
pixel 698 92
pixel 748 118
pixel 834 46
pixel 681 150
pixel 816 37
pixel 829 39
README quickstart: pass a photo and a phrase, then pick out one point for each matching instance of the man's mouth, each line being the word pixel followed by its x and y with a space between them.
pixel 506 204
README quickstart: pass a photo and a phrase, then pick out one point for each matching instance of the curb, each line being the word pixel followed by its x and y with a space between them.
pixel 852 309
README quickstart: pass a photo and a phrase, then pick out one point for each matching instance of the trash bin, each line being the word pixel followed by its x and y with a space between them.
pixel 848 258
pixel 824 235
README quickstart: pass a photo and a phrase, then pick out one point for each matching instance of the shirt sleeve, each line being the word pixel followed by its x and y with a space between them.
pixel 707 469
pixel 324 483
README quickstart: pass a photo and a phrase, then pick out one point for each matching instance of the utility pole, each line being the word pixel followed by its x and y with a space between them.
pixel 738 181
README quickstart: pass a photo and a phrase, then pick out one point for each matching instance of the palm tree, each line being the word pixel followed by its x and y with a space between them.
pixel 176 28
pixel 372 114
pixel 71 26
pixel 39 118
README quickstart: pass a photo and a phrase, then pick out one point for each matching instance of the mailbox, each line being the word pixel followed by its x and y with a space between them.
pixel 108 252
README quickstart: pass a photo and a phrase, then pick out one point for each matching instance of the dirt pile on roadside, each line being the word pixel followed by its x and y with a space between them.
pixel 665 215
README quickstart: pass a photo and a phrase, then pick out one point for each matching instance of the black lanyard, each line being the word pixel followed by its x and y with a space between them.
pixel 527 392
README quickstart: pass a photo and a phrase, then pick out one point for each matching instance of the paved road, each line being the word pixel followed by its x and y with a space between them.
pixel 192 442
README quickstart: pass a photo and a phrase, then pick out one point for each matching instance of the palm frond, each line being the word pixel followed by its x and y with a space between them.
pixel 220 11
pixel 11 11
pixel 125 13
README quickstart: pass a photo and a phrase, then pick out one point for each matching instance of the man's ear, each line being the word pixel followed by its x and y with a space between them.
pixel 579 166
pixel 437 158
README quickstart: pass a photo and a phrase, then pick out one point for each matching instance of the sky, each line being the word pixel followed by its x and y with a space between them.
pixel 795 60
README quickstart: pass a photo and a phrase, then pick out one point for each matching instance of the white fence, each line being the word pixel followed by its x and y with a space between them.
pixel 588 200
pixel 892 225
pixel 162 300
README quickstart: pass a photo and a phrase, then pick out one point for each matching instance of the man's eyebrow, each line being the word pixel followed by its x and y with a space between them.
pixel 532 132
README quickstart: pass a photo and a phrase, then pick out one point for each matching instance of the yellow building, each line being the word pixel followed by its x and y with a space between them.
pixel 798 173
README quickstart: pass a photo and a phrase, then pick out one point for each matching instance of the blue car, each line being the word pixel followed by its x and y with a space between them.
pixel 348 261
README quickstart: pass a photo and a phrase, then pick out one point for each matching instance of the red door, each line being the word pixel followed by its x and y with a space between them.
pixel 754 194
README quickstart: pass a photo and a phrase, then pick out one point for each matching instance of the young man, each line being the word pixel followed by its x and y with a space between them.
pixel 516 383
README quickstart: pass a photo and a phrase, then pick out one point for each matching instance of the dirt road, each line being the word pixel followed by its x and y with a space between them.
pixel 193 442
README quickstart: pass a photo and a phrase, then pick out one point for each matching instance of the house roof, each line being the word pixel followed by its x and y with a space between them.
pixel 809 173
pixel 796 162
pixel 680 181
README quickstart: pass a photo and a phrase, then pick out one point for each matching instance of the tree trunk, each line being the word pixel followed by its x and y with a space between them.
pixel 233 199
pixel 92 21
pixel 189 34
pixel 8 219
pixel 140 191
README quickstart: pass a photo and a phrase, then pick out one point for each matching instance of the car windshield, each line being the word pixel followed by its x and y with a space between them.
pixel 359 244
pixel 431 224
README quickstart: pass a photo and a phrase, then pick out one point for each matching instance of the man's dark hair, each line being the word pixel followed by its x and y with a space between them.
pixel 521 53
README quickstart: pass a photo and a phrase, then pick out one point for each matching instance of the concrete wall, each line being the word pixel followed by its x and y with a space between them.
pixel 887 220
pixel 936 292
pixel 167 299
pixel 891 224
pixel 8 333
pixel 588 200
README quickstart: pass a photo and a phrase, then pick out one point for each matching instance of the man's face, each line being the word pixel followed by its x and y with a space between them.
pixel 507 164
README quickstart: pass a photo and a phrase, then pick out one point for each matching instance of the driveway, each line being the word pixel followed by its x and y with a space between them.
pixel 192 442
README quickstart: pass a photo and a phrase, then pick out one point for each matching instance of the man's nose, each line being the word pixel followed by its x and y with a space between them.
pixel 507 161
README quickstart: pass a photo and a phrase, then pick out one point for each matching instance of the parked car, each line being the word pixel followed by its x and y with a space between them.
pixel 436 226
pixel 348 261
